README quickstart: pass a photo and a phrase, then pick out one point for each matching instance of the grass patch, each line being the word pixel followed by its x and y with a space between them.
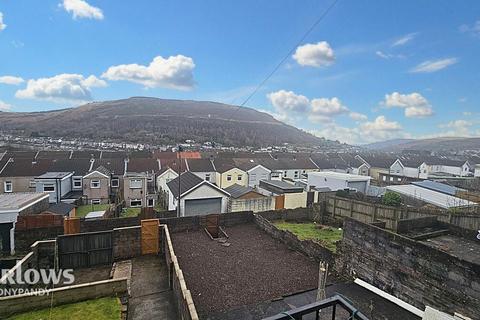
pixel 99 309
pixel 325 235
pixel 130 212
pixel 82 211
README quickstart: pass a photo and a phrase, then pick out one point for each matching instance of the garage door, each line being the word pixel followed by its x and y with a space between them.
pixel 203 206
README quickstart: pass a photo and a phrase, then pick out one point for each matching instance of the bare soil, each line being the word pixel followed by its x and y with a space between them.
pixel 254 268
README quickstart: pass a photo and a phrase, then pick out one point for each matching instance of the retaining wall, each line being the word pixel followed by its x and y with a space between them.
pixel 410 270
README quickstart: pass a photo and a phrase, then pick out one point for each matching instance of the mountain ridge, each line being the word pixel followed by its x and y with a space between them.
pixel 155 120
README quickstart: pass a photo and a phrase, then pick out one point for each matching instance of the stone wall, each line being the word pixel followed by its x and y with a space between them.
pixel 25 238
pixel 307 247
pixel 409 270
pixel 127 242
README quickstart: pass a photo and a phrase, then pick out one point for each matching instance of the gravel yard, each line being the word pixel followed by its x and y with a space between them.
pixel 252 269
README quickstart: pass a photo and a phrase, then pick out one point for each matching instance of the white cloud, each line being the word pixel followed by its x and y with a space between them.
pixel 175 72
pixel 357 116
pixel 62 87
pixel 379 129
pixel 315 55
pixel 328 107
pixel 388 56
pixel 81 9
pixel 2 24
pixel 404 40
pixel 434 65
pixel 415 105
pixel 12 80
pixel 288 101
pixel 4 106
pixel 473 29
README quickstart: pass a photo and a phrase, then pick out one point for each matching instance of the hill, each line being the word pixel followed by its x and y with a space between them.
pixel 160 121
pixel 434 144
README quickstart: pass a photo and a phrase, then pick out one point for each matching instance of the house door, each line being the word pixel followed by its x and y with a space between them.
pixel 5 237
pixel 150 236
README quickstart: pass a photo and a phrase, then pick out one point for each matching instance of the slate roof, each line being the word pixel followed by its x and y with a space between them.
pixel 78 166
pixel 102 170
pixel 86 154
pixel 26 168
pixel 21 154
pixel 61 208
pixel 115 166
pixel 223 165
pixel 171 163
pixel 113 155
pixel 288 164
pixel 188 181
pixel 378 160
pixel 53 155
pixel 140 165
pixel 200 165
pixel 236 190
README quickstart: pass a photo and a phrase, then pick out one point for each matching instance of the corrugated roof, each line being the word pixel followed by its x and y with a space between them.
pixel 438 199
pixel 437 186
pixel 236 190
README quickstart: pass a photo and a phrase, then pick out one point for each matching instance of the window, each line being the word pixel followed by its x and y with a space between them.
pixel 95 184
pixel 8 186
pixel 284 173
pixel 207 177
pixel 399 179
pixel 49 187
pixel 32 184
pixel 295 174
pixel 95 201
pixel 77 183
pixel 253 176
pixel 150 202
pixel 229 177
pixel 135 183
pixel 115 183
pixel 239 177
pixel 391 178
pixel 384 178
pixel 135 202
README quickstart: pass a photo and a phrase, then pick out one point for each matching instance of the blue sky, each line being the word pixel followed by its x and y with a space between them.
pixel 369 71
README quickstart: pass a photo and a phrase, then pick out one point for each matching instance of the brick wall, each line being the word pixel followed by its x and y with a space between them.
pixel 409 270
pixel 307 247
pixel 38 207
pixel 25 238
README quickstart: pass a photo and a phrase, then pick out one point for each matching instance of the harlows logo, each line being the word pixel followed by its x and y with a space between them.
pixel 34 277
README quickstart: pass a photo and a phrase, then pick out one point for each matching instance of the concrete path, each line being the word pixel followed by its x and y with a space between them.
pixel 150 296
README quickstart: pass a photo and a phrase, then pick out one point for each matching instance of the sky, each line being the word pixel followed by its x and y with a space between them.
pixel 369 71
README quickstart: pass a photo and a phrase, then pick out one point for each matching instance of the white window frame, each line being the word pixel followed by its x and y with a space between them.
pixel 77 180
pixel 116 184
pixel 94 182
pixel 48 185
pixel 95 201
pixel 136 200
pixel 229 177
pixel 148 202
pixel 135 180
pixel 6 188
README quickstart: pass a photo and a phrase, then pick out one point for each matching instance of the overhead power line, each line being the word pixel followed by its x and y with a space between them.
pixel 290 52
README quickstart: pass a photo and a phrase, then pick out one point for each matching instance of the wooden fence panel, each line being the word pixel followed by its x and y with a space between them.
pixel 85 249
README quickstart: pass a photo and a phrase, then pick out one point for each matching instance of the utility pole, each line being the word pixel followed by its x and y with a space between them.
pixel 179 150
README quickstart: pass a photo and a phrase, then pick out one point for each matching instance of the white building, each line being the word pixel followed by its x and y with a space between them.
pixel 338 181
pixel 197 196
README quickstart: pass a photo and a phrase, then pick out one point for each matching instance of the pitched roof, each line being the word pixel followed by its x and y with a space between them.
pixel 113 155
pixel 188 181
pixel 61 208
pixel 77 166
pixel 288 164
pixel 247 163
pixel 223 165
pixel 236 190
pixel 172 164
pixel 53 155
pixel 86 154
pixel 115 166
pixel 378 160
pixel 140 165
pixel 437 186
pixel 102 170
pixel 200 165
pixel 26 168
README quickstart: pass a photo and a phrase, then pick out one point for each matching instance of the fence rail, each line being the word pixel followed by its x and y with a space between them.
pixel 368 212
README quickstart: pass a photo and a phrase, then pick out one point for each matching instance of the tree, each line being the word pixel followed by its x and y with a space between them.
pixel 392 199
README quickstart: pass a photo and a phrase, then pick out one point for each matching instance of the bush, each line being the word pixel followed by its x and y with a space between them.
pixel 392 199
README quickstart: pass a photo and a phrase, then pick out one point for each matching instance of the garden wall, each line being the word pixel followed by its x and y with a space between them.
pixel 127 242
pixel 70 294
pixel 307 247
pixel 410 270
